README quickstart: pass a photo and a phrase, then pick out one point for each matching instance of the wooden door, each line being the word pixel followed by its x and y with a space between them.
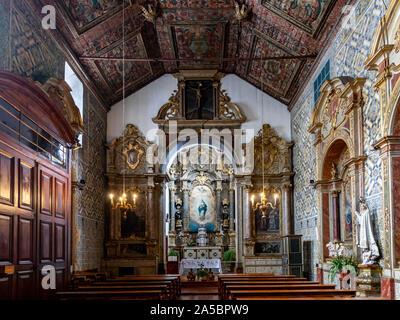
pixel 34 223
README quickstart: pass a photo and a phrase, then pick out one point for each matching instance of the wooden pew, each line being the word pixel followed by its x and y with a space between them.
pixel 275 286
pixel 171 289
pixel 313 298
pixel 110 295
pixel 286 286
pixel 176 280
pixel 223 280
pixel 243 294
pixel 147 287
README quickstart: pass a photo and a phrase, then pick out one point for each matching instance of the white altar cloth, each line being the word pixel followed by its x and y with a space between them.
pixel 200 263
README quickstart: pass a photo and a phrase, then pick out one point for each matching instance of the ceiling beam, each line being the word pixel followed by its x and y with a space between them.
pixel 129 59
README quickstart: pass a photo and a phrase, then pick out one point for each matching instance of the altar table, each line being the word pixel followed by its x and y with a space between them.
pixel 200 263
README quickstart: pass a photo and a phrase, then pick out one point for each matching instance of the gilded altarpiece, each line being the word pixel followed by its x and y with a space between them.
pixel 384 58
pixel 134 235
pixel 269 196
pixel 336 123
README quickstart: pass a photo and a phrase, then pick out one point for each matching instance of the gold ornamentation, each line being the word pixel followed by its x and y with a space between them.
pixel 227 109
pixel 150 14
pixel 133 154
pixel 169 110
pixel 202 178
pixel 60 91
pixel 264 147
pixel 241 12
pixel 397 41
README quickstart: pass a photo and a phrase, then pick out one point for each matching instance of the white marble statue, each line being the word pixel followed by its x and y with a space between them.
pixel 365 237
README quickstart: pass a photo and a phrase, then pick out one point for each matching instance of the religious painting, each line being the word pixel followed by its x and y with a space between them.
pixel 202 208
pixel 273 247
pixel 133 222
pixel 133 154
pixel 267 220
pixel 199 100
pixel 348 218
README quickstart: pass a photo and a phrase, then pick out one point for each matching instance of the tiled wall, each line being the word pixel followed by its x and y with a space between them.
pixel 347 54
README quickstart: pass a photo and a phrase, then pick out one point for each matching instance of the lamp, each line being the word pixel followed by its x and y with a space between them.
pixel 123 204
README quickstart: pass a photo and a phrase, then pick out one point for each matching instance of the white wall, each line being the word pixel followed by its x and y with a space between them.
pixel 144 104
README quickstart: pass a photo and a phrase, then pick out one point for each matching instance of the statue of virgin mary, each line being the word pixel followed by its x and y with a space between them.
pixel 365 238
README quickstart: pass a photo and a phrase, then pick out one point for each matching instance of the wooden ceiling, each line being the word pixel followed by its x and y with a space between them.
pixel 196 29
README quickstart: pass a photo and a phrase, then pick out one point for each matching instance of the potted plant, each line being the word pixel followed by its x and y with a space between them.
pixel 202 274
pixel 173 255
pixel 229 259
pixel 340 259
pixel 339 263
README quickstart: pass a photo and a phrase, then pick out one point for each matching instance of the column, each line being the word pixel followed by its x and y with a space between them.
pixel 218 204
pixel 289 226
pixel 336 215
pixel 185 190
pixel 231 206
pixel 150 213
pixel 247 213
pixel 172 190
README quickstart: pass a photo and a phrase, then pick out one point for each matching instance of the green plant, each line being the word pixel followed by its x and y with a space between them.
pixel 338 263
pixel 202 273
pixel 229 255
pixel 173 253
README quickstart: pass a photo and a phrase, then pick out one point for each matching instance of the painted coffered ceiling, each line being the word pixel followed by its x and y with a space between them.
pixel 196 34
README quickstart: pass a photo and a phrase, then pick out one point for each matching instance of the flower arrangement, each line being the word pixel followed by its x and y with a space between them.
pixel 341 257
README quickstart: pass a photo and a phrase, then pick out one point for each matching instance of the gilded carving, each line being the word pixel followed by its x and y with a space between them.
pixel 60 91
pixel 131 146
pixel 170 110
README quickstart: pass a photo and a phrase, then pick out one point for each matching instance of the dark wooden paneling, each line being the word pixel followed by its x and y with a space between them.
pixel 6 239
pixel 59 242
pixel 25 284
pixel 5 287
pixel 45 193
pixel 25 186
pixel 25 241
pixel 45 255
pixel 60 198
pixel 6 179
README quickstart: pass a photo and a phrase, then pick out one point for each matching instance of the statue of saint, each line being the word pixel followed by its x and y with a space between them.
pixel 202 209
pixel 225 213
pixel 178 213
pixel 365 239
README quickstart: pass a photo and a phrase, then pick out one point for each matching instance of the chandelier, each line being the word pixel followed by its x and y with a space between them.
pixel 123 204
pixel 263 204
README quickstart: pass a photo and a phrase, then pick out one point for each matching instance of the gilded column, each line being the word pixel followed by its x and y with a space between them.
pixel 218 205
pixel 172 190
pixel 231 207
pixel 185 190
pixel 289 227
pixel 336 215
pixel 248 222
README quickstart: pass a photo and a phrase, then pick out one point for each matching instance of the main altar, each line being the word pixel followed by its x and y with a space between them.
pixel 204 198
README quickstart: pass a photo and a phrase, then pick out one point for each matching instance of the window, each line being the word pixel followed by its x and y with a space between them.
pixel 76 89
pixel 324 75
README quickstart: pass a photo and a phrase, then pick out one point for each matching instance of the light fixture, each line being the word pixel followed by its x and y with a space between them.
pixel 123 204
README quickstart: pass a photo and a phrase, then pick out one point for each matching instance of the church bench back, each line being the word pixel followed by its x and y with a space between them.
pixel 111 295
pixel 292 293
pixel 230 288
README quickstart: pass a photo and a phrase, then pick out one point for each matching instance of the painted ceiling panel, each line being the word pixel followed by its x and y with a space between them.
pixel 197 29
